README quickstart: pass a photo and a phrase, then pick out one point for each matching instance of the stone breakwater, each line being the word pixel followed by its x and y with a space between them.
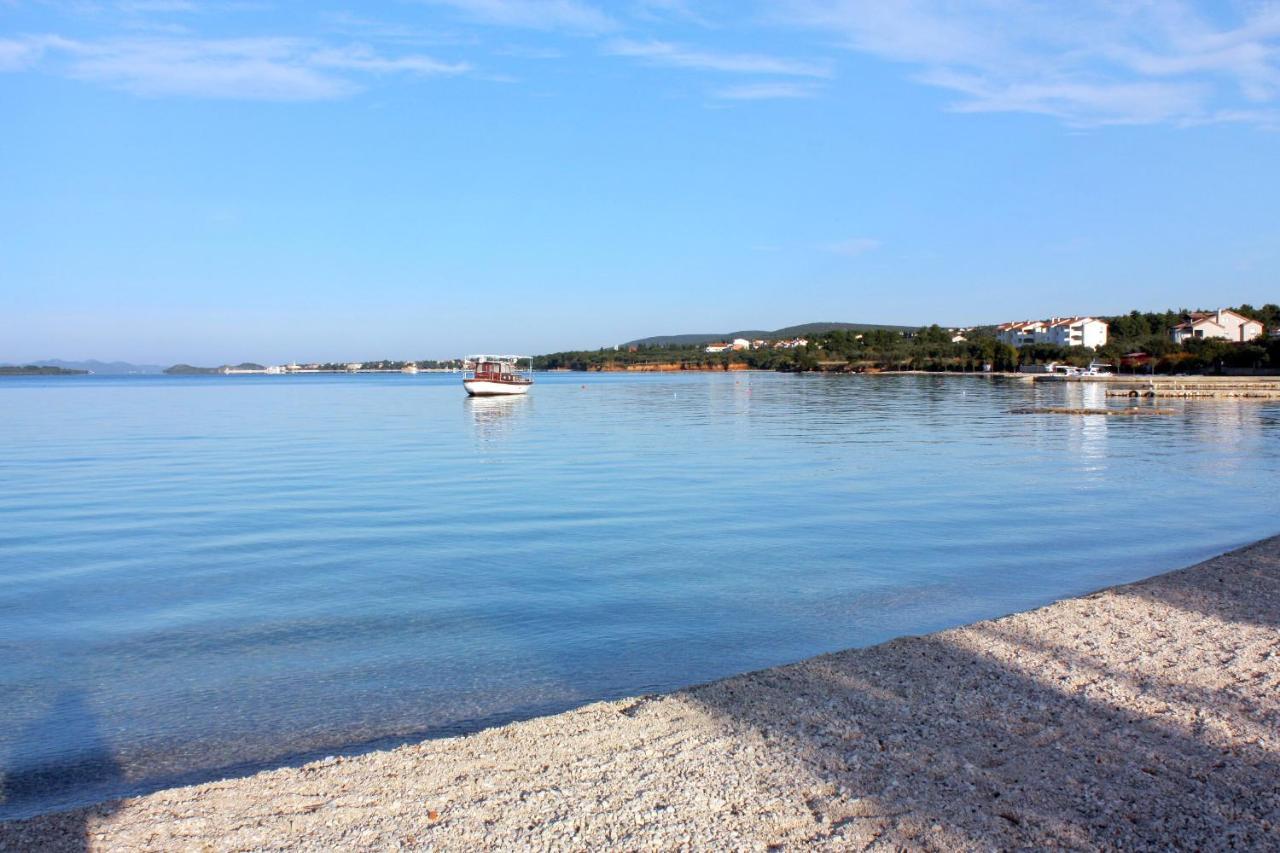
pixel 1142 716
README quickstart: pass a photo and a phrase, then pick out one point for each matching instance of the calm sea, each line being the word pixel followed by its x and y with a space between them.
pixel 206 575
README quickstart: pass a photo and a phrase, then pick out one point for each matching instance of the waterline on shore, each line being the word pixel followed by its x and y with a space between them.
pixel 1142 715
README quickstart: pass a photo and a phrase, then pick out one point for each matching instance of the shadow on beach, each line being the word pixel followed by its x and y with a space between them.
pixel 1124 719
pixel 68 720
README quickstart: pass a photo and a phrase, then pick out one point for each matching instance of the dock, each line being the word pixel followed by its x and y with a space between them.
pixel 1211 387
pixel 1149 387
pixel 1112 412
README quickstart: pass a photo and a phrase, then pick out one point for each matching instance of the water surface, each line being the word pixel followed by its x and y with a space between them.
pixel 202 575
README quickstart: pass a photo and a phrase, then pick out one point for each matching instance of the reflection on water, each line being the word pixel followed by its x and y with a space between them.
pixel 201 574
pixel 495 417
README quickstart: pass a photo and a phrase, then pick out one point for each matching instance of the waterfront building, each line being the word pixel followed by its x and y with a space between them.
pixel 719 346
pixel 1020 333
pixel 1077 332
pixel 1059 331
pixel 1223 323
pixel 741 344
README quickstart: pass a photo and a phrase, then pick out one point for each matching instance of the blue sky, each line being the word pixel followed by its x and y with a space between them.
pixel 218 181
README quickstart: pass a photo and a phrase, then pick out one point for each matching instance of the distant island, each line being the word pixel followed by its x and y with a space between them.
pixel 188 370
pixel 38 370
pixel 97 368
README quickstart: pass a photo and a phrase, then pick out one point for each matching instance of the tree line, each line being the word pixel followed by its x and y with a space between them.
pixel 932 348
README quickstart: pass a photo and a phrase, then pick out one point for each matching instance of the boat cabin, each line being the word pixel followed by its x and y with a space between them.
pixel 497 368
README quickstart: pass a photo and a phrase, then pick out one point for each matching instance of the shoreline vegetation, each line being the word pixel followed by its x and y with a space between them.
pixel 1138 343
pixel 1141 716
pixel 38 370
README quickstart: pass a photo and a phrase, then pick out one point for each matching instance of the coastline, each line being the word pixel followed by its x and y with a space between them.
pixel 1143 715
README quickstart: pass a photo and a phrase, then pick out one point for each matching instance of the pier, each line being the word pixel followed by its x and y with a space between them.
pixel 1207 387
pixel 1211 387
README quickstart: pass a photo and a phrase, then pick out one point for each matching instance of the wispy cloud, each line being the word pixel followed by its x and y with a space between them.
pixel 21 54
pixel 853 246
pixel 284 69
pixel 1091 62
pixel 679 10
pixel 364 58
pixel 569 15
pixel 680 56
pixel 144 7
pixel 765 91
pixel 386 32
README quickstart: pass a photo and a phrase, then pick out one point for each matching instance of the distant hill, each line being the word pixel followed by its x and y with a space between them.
pixel 753 334
pixel 102 367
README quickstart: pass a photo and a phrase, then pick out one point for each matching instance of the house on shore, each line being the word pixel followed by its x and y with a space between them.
pixel 1224 324
pixel 719 346
pixel 1059 331
pixel 1020 333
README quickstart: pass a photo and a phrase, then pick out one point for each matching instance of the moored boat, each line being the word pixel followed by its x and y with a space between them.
pixel 497 375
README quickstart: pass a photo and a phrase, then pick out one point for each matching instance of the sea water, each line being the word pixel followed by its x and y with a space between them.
pixel 205 575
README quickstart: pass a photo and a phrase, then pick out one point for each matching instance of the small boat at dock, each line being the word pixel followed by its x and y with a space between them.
pixel 497 375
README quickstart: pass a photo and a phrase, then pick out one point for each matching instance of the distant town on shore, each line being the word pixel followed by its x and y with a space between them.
pixel 1240 339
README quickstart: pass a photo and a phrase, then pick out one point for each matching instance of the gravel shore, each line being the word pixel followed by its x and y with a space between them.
pixel 1143 716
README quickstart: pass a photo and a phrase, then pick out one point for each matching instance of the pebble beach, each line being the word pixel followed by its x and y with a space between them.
pixel 1142 716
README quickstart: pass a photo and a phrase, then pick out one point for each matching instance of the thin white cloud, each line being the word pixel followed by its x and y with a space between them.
pixel 19 54
pixel 391 32
pixel 680 56
pixel 569 15
pixel 283 69
pixel 765 91
pixel 1088 62
pixel 363 58
pixel 27 52
pixel 660 10
pixel 853 246
pixel 145 7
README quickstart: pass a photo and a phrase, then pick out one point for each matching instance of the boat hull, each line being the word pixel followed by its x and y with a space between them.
pixel 490 388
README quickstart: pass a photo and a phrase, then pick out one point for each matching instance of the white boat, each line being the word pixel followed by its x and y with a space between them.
pixel 497 375
pixel 1098 368
pixel 1095 368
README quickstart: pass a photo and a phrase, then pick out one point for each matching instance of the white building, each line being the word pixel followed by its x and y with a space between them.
pixel 1077 332
pixel 719 347
pixel 1021 333
pixel 741 344
pixel 1223 323
pixel 1059 331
